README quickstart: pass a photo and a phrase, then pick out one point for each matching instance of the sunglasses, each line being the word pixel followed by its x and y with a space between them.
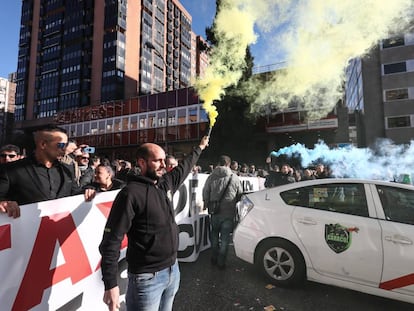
pixel 84 158
pixel 61 145
pixel 11 156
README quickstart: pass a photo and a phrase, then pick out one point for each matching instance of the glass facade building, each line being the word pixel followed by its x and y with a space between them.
pixel 380 91
pixel 78 53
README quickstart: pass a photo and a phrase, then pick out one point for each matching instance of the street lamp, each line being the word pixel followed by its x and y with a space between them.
pixel 151 47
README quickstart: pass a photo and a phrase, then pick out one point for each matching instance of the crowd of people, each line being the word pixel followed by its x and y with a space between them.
pixel 143 209
pixel 57 168
pixel 100 173
pixel 275 174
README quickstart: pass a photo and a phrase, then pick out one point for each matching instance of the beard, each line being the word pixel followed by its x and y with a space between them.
pixel 152 174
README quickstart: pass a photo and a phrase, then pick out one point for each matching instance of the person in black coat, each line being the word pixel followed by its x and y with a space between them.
pixel 39 177
pixel 285 176
pixel 105 179
pixel 144 211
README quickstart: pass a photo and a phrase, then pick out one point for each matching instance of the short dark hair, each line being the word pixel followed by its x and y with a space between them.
pixel 10 147
pixel 143 152
pixel 95 158
pixel 47 130
pixel 51 128
pixel 224 160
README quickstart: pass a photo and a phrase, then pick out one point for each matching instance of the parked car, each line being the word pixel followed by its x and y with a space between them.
pixel 351 233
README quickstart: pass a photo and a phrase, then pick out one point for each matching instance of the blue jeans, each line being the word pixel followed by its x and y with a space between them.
pixel 221 228
pixel 153 291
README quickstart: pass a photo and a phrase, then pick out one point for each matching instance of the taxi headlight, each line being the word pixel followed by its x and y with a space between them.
pixel 243 207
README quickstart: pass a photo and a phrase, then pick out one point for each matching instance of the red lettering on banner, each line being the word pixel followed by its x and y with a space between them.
pixel 5 237
pixel 38 275
pixel 105 208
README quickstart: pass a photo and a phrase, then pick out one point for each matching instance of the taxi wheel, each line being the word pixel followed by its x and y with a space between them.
pixel 281 263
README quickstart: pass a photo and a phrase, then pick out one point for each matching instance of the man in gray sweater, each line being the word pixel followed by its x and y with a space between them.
pixel 223 187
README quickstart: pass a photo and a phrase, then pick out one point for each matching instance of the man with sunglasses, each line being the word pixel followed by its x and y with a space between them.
pixel 9 153
pixel 39 177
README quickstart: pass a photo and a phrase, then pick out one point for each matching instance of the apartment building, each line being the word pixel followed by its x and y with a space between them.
pixel 7 101
pixel 380 92
pixel 74 54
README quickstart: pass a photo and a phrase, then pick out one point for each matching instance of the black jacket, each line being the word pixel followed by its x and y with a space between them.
pixel 116 184
pixel 144 211
pixel 278 178
pixel 19 182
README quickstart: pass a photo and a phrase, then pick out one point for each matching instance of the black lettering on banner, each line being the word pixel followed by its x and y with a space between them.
pixel 74 304
pixel 198 226
pixel 204 233
pixel 247 186
pixel 188 228
pixel 207 229
pixel 200 230
pixel 193 183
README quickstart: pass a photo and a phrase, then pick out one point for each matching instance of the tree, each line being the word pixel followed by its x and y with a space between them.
pixel 234 131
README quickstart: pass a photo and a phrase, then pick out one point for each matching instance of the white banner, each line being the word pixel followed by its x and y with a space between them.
pixel 49 257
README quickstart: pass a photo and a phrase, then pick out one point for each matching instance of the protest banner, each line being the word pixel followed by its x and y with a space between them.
pixel 50 258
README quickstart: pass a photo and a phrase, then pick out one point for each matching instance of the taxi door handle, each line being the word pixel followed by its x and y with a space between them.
pixel 307 221
pixel 398 239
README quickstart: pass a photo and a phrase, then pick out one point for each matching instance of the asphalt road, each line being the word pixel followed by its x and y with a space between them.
pixel 239 287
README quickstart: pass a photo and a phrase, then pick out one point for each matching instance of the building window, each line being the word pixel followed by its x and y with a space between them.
pixel 397 122
pixel 101 127
pixel 172 117
pixel 161 119
pixel 395 68
pixel 117 125
pixel 134 122
pixel 94 128
pixel 143 122
pixel 396 94
pixel 87 129
pixel 109 125
pixel 192 115
pixel 203 115
pixel 182 116
pixel 79 131
pixel 125 124
pixel 392 42
pixel 152 120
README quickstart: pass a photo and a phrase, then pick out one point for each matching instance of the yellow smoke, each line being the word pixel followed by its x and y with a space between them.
pixel 317 39
pixel 234 32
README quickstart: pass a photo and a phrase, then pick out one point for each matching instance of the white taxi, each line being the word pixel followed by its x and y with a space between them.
pixel 351 233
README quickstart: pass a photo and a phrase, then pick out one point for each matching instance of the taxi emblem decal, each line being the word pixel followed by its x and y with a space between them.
pixel 337 237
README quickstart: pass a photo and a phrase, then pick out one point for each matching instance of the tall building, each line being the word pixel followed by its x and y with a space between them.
pixel 202 59
pixel 76 53
pixel 380 92
pixel 7 102
pixel 199 56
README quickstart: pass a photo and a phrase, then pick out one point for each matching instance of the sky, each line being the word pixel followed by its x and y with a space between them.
pixel 9 27
pixel 202 12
